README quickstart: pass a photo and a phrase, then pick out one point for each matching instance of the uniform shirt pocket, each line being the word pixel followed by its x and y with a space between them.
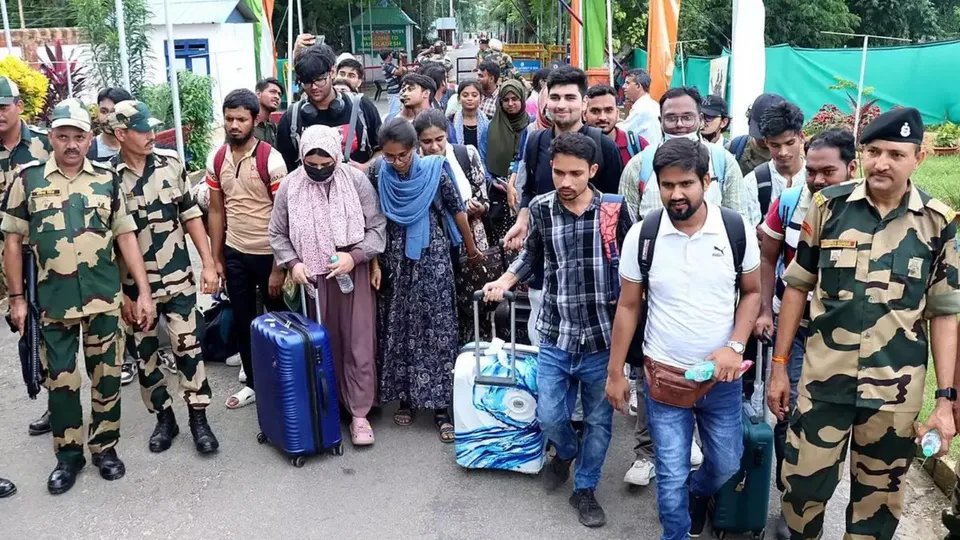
pixel 838 272
pixel 97 213
pixel 170 201
pixel 911 273
pixel 46 214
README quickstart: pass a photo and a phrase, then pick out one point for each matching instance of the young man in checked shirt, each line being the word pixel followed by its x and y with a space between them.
pixel 576 317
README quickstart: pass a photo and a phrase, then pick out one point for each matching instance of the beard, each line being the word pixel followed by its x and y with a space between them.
pixel 238 140
pixel 683 215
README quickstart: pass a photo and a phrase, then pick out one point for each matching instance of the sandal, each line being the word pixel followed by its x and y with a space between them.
pixel 442 421
pixel 403 416
pixel 241 399
pixel 361 433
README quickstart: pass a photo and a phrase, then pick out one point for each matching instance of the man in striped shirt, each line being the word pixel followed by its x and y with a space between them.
pixel 576 317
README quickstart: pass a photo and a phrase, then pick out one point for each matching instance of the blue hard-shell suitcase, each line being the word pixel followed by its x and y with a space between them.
pixel 297 404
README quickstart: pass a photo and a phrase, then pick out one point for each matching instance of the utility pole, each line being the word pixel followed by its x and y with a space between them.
pixel 122 38
pixel 23 26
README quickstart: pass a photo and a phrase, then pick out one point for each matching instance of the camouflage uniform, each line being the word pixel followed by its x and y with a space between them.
pixel 505 62
pixel 875 280
pixel 161 203
pixel 435 58
pixel 482 56
pixel 71 225
pixel 33 146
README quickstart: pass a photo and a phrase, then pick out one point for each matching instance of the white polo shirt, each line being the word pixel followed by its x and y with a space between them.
pixel 692 295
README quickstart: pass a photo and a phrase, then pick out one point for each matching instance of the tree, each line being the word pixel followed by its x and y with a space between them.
pixel 909 19
pixel 98 21
pixel 801 23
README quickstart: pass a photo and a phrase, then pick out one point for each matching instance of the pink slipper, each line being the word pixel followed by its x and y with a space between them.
pixel 361 433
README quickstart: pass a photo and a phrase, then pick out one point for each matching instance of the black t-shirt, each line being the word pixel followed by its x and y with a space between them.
pixel 470 136
pixel 364 147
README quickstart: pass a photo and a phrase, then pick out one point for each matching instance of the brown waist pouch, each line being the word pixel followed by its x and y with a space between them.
pixel 669 386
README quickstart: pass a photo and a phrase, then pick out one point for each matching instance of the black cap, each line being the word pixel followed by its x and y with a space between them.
pixel 714 106
pixel 484 40
pixel 899 125
pixel 760 105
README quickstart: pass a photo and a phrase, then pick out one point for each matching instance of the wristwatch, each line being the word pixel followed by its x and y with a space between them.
pixel 949 393
pixel 740 347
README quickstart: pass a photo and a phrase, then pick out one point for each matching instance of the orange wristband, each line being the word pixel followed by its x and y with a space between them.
pixel 780 359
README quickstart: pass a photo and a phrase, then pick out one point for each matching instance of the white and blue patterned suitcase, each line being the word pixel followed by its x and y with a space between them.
pixel 495 405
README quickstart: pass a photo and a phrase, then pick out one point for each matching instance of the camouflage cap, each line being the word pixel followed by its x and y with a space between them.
pixel 135 115
pixel 70 112
pixel 8 91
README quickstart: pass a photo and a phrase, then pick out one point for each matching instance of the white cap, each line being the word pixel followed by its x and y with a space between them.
pixel 496 44
pixel 345 56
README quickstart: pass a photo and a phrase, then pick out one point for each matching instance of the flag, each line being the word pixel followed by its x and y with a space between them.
pixel 748 61
pixel 661 44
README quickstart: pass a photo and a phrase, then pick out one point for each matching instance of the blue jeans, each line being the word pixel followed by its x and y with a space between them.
pixel 393 104
pixel 718 418
pixel 794 368
pixel 559 375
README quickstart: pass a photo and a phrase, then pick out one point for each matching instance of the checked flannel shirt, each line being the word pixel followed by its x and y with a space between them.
pixel 577 313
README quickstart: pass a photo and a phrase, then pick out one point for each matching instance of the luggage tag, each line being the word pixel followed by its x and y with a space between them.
pixel 496 346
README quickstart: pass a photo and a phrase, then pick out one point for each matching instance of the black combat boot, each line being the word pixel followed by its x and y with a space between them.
pixel 64 476
pixel 203 437
pixel 165 431
pixel 111 468
pixel 7 488
pixel 40 425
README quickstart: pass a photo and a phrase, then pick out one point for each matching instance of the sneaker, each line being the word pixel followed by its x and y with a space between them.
pixel 234 360
pixel 167 361
pixel 641 473
pixel 633 398
pixel 556 473
pixel 696 456
pixel 589 510
pixel 698 515
pixel 128 373
pixel 243 375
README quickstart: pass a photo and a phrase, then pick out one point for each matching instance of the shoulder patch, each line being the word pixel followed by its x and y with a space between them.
pixel 835 191
pixel 167 153
pixel 102 165
pixel 38 130
pixel 941 208
pixel 19 168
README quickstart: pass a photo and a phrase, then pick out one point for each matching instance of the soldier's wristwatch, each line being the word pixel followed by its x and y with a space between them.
pixel 949 393
pixel 737 347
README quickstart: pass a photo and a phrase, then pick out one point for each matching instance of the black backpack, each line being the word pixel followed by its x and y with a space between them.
pixel 649 227
pixel 532 155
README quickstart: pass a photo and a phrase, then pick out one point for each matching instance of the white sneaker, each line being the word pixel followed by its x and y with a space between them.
pixel 128 373
pixel 234 360
pixel 243 375
pixel 696 456
pixel 641 473
pixel 633 398
pixel 167 361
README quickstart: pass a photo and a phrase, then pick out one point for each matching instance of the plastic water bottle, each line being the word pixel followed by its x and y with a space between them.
pixel 343 280
pixel 701 372
pixel 930 443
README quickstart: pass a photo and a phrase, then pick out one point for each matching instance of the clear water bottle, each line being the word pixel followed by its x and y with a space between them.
pixel 343 280
pixel 701 372
pixel 930 443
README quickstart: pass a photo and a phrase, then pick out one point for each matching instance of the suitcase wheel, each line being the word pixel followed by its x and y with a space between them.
pixel 298 461
pixel 261 438
pixel 338 449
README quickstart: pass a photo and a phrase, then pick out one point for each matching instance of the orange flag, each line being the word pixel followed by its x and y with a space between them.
pixel 661 44
pixel 268 11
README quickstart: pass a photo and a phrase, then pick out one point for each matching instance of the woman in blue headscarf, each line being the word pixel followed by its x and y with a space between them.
pixel 418 342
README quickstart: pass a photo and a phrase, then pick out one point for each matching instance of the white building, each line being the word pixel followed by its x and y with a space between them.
pixel 211 37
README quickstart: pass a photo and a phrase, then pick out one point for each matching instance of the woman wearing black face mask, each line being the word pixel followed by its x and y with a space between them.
pixel 327 208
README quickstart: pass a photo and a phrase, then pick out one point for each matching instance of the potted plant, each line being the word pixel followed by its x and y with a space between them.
pixel 947 142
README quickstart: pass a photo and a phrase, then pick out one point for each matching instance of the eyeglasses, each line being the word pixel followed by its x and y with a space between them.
pixel 402 158
pixel 319 80
pixel 686 119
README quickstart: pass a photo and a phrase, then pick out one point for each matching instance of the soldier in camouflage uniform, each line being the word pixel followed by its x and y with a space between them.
pixel 880 257
pixel 484 51
pixel 153 182
pixel 436 55
pixel 20 144
pixel 71 210
pixel 503 60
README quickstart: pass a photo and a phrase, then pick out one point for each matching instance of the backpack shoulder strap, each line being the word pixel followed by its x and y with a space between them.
pixel 218 160
pixel 789 200
pixel 633 144
pixel 262 160
pixel 463 157
pixel 764 186
pixel 295 124
pixel 738 145
pixel 646 166
pixel 719 157
pixel 610 205
pixel 352 128
pixel 649 228
pixel 533 154
pixel 737 236
pixel 597 136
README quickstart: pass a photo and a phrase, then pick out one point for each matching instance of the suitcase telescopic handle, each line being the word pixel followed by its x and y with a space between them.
pixel 316 301
pixel 763 369
pixel 490 380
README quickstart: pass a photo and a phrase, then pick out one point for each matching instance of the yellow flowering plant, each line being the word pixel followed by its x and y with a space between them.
pixel 32 84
